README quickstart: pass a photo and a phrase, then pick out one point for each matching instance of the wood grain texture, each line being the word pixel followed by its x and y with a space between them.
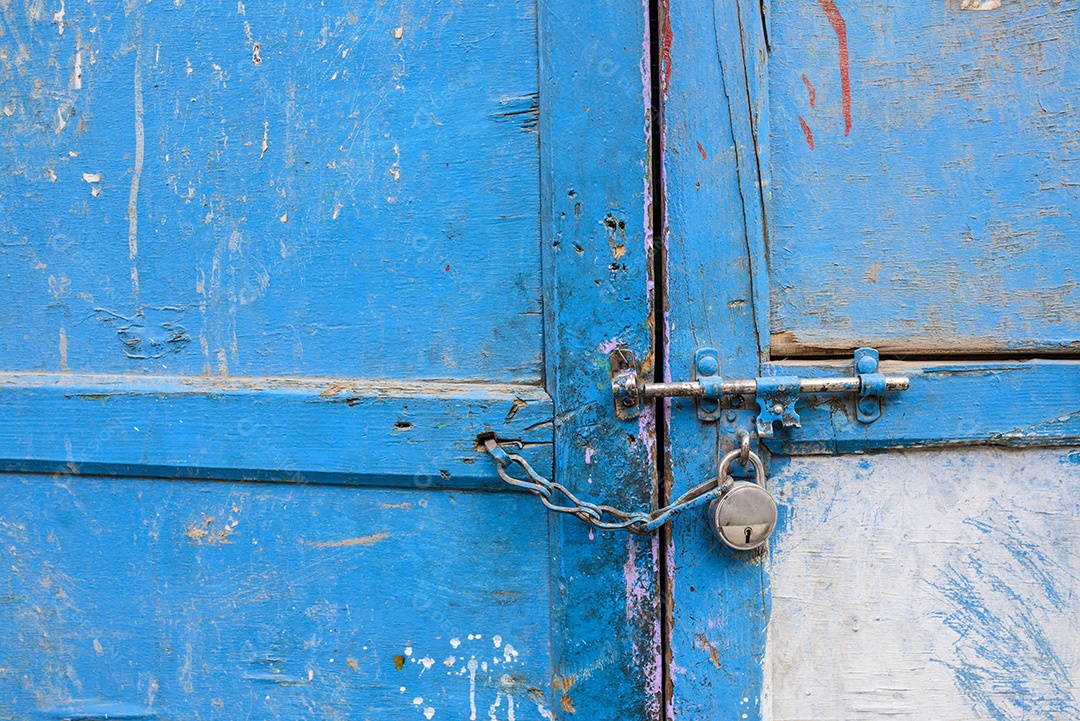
pixel 276 188
pixel 153 599
pixel 716 282
pixel 1036 403
pixel 946 220
pixel 313 431
pixel 597 252
pixel 934 584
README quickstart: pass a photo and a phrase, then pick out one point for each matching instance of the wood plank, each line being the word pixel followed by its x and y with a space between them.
pixel 935 208
pixel 1033 403
pixel 930 584
pixel 716 284
pixel 597 240
pixel 144 598
pixel 272 189
pixel 314 430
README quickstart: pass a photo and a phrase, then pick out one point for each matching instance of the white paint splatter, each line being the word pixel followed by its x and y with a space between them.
pixel 418 700
pixel 510 654
pixel 449 661
pixel 497 640
pixel 408 650
pixel 58 18
pixel 455 642
pixel 76 74
pixel 472 689
pixel 588 455
pixel 427 662
pixel 429 712
pixel 92 177
pixel 133 194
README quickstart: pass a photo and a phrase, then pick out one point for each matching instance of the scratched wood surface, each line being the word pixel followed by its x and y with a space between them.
pixel 278 188
pixel 271 268
pixel 923 162
pixel 932 584
pixel 133 598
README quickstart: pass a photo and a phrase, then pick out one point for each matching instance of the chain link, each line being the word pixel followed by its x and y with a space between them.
pixel 596 515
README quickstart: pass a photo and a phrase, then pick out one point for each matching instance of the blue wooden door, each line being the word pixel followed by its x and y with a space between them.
pixel 269 270
pixel 901 176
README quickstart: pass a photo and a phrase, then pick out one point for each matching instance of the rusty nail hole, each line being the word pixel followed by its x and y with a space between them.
pixel 402 426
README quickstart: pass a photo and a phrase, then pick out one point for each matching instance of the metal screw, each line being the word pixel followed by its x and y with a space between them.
pixel 731 416
pixel 707 366
pixel 868 407
pixel 867 364
pixel 778 408
pixel 629 401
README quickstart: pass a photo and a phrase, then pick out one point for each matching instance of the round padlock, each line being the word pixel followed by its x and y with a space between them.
pixel 744 516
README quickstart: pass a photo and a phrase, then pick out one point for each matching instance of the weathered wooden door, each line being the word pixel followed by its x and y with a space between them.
pixel 269 270
pixel 902 176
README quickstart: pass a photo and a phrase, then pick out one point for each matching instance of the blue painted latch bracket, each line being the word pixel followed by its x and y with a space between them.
pixel 871 385
pixel 776 395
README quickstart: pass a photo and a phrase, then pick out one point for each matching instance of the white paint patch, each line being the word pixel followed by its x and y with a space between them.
pixel 418 700
pixel 427 662
pixel 76 74
pixel 510 654
pixel 429 712
pixel 455 642
pixel 408 650
pixel 58 18
pixel 980 4
pixel 497 640
pixel 937 585
pixel 449 661
pixel 64 367
pixel 136 174
pixel 92 177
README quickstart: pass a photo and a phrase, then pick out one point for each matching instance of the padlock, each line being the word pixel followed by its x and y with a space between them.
pixel 744 515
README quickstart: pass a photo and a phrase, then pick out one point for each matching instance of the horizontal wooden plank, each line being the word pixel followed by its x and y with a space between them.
pixel 151 599
pixel 961 403
pixel 268 429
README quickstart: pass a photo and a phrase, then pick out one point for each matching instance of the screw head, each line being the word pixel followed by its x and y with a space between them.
pixel 867 407
pixel 731 416
pixel 628 401
pixel 777 408
pixel 707 366
pixel 867 364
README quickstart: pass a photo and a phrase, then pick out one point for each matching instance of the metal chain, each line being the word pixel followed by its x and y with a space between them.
pixel 596 515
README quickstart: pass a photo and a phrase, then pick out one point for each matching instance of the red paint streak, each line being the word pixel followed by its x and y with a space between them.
pixel 810 87
pixel 838 24
pixel 807 132
pixel 665 48
pixel 448 267
pixel 702 151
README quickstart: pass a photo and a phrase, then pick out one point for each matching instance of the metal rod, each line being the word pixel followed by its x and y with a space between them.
pixel 749 387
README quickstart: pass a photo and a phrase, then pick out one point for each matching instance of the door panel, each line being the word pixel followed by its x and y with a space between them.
pixel 909 583
pixel 923 163
pixel 936 584
pixel 273 189
pixel 271 270
pixel 213 600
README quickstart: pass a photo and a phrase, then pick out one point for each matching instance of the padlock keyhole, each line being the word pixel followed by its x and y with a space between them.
pixel 748 531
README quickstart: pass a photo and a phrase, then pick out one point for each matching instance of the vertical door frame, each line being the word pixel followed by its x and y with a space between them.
pixel 597 241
